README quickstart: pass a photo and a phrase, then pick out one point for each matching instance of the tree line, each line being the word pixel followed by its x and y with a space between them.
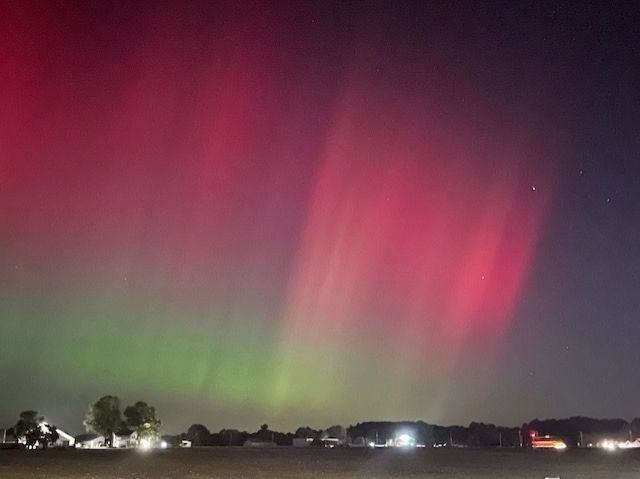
pixel 576 431
pixel 32 428
pixel 199 435
pixel 106 418
pixel 103 417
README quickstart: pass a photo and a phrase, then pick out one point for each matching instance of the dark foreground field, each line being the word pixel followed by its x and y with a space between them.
pixel 318 463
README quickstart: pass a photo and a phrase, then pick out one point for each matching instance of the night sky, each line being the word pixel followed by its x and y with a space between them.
pixel 319 213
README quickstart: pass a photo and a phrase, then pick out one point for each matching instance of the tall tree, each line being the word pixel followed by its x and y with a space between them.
pixel 199 435
pixel 103 417
pixel 264 434
pixel 28 427
pixel 48 434
pixel 141 418
pixel 33 430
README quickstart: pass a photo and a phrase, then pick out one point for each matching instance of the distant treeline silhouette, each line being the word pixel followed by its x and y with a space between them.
pixel 575 431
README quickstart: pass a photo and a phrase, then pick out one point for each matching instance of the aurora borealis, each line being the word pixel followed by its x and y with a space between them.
pixel 317 214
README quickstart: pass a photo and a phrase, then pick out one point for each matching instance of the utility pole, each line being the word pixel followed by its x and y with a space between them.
pixel 500 438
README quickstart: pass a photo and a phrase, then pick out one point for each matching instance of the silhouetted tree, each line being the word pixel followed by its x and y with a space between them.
pixel 28 427
pixel 440 435
pixel 570 429
pixel 485 435
pixel 48 434
pixel 233 437
pixel 305 432
pixel 525 435
pixel 33 430
pixel 635 428
pixel 264 434
pixel 103 417
pixel 199 435
pixel 141 418
pixel 381 431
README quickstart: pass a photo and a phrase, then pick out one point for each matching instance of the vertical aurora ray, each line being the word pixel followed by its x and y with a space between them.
pixel 409 255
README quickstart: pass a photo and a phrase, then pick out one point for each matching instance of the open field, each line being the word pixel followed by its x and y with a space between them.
pixel 318 463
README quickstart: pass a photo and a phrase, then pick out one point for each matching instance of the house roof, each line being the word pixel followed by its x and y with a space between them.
pixel 87 437
pixel 64 435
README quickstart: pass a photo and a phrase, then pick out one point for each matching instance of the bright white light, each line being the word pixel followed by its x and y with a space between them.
pixel 559 446
pixel 609 445
pixel 372 444
pixel 145 444
pixel 629 445
pixel 404 440
pixel 164 444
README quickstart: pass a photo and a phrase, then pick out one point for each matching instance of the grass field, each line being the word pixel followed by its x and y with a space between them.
pixel 318 463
